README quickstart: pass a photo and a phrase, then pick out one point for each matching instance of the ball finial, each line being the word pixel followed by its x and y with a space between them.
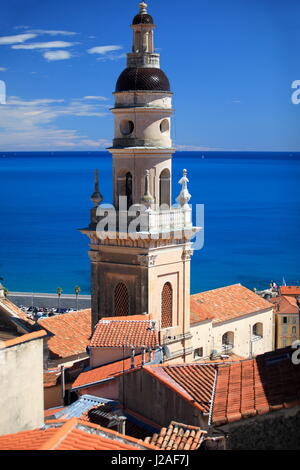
pixel 143 7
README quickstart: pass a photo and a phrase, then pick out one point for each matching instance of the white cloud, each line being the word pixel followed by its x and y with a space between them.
pixel 30 124
pixel 97 98
pixel 57 55
pixel 44 45
pixel 53 32
pixel 3 69
pixel 19 38
pixel 193 148
pixel 103 49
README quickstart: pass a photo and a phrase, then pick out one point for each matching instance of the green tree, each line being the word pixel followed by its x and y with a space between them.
pixel 59 291
pixel 77 292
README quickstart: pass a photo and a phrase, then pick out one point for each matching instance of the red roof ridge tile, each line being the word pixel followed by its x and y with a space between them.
pixel 60 435
pixel 105 372
pixel 173 385
pixel 23 339
pixel 225 303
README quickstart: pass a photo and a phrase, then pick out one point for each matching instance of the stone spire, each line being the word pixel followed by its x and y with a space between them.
pixel 96 197
pixel 147 198
pixel 184 195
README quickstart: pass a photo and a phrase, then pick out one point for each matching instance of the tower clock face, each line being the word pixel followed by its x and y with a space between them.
pixel 126 127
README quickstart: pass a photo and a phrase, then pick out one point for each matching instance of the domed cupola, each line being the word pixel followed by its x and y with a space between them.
pixel 143 71
pixel 143 16
pixel 142 79
pixel 143 100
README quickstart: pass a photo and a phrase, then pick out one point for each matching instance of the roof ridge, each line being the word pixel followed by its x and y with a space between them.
pixel 115 435
pixel 23 339
pixel 173 385
pixel 61 434
pixel 129 321
pixel 63 315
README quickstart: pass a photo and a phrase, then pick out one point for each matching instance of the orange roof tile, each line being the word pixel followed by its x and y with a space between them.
pixel 285 304
pixel 15 312
pixel 118 333
pixel 71 333
pixel 108 371
pixel 177 436
pixel 226 303
pixel 72 434
pixel 242 389
pixel 51 377
pixel 256 386
pixel 289 290
pixel 23 339
pixel 193 382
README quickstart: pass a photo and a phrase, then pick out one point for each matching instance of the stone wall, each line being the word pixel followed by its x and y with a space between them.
pixel 278 430
pixel 149 397
pixel 21 387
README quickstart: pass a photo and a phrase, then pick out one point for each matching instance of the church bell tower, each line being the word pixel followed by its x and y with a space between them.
pixel 143 268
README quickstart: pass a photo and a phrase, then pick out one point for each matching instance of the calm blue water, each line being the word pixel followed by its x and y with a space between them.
pixel 252 217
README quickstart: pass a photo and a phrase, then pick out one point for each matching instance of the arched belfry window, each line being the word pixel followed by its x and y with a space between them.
pixel 166 305
pixel 128 189
pixel 121 300
pixel 164 187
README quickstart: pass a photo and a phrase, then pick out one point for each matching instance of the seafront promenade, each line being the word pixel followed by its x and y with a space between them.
pixel 45 300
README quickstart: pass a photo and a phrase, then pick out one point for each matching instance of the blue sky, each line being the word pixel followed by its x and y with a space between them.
pixel 230 63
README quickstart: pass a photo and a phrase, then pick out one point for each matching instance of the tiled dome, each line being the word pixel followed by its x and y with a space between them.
pixel 134 79
pixel 143 19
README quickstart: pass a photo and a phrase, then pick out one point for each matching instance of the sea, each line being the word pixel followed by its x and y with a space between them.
pixel 251 224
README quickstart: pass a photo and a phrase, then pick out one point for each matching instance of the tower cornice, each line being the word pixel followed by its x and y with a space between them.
pixel 157 151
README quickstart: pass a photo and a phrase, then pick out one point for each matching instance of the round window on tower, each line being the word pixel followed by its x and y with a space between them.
pixel 164 126
pixel 126 127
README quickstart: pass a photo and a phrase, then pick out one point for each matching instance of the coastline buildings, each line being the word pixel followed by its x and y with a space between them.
pixel 287 313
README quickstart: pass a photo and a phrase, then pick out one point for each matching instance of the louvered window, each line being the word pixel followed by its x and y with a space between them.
pixel 166 306
pixel 121 300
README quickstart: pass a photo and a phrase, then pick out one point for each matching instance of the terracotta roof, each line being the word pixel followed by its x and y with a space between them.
pixel 226 303
pixel 177 436
pixel 71 333
pixel 108 371
pixel 289 290
pixel 285 304
pixel 242 389
pixel 256 386
pixel 51 377
pixel 72 434
pixel 13 311
pixel 193 382
pixel 52 411
pixel 23 339
pixel 124 332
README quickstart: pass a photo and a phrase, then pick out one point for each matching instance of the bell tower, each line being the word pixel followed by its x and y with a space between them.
pixel 142 263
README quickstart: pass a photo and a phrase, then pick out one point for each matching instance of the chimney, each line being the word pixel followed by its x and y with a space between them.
pixel 132 358
pixel 121 424
pixel 143 355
